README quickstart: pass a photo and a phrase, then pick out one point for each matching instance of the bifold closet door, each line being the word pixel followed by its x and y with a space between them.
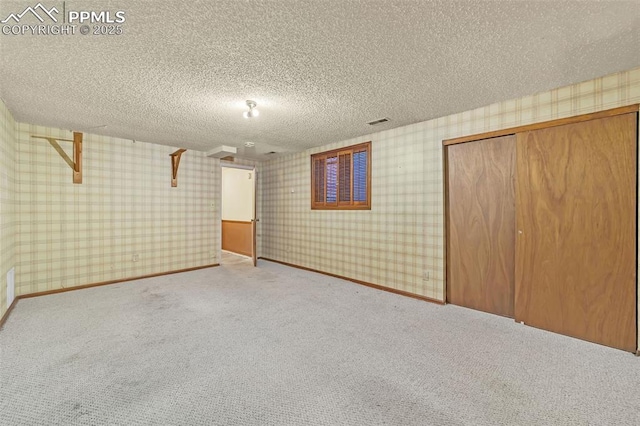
pixel 576 238
pixel 481 224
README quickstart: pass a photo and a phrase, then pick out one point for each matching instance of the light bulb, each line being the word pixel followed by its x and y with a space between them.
pixel 246 114
pixel 255 112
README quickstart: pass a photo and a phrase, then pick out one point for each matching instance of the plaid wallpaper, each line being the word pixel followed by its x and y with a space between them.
pixel 400 242
pixel 7 200
pixel 69 235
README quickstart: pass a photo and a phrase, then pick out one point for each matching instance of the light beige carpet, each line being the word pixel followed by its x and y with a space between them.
pixel 238 345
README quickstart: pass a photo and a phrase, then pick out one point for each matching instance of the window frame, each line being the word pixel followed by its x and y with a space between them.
pixel 341 205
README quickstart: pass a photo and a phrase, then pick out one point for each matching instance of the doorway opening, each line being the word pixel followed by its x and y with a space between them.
pixel 238 215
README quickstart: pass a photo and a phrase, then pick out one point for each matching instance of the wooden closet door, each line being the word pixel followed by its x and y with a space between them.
pixel 576 239
pixel 481 225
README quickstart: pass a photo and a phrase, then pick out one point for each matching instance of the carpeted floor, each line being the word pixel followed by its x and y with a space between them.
pixel 238 345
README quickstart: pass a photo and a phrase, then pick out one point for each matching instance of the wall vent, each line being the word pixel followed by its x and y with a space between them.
pixel 376 122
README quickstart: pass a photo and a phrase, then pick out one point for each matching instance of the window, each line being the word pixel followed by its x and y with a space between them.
pixel 341 179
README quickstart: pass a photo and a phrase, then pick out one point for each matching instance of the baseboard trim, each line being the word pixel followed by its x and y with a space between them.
pixel 364 283
pixel 122 280
pixel 9 309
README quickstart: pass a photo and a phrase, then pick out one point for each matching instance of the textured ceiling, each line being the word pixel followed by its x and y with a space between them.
pixel 319 70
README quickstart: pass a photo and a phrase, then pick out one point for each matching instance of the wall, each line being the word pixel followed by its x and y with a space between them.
pixel 237 194
pixel 7 200
pixel 71 235
pixel 400 242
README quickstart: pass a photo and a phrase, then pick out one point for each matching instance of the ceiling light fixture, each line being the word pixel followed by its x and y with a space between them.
pixel 253 111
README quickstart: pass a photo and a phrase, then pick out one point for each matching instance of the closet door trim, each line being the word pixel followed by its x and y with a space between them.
pixel 544 125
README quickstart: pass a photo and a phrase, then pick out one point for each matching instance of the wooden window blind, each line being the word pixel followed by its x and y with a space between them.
pixel 341 179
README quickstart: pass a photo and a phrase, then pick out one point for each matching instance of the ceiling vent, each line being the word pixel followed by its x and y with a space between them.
pixel 376 122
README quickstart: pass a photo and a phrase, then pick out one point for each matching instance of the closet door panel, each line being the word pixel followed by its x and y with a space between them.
pixel 576 230
pixel 481 225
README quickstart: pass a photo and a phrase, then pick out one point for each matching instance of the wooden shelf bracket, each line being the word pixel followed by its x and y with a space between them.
pixel 76 163
pixel 175 163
